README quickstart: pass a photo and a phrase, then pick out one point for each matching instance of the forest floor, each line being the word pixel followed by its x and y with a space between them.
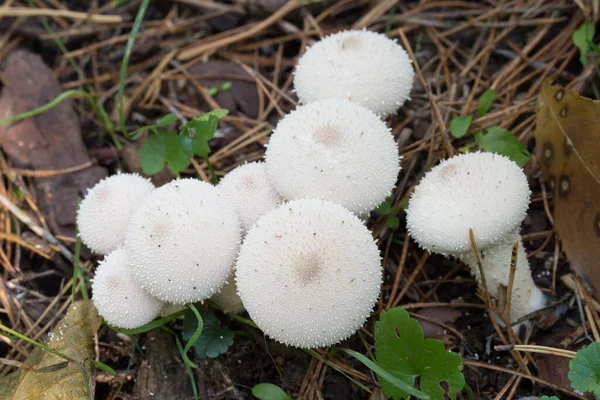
pixel 192 56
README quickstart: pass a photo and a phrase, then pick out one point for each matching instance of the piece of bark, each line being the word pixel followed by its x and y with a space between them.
pixel 49 141
pixel 162 374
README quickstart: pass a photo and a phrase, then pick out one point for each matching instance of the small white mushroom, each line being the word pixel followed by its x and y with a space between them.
pixel 309 273
pixel 333 150
pixel 361 66
pixel 182 241
pixel 105 211
pixel 118 298
pixel 251 192
pixel 489 194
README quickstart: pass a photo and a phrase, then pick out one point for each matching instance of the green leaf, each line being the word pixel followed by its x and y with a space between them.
pixel 198 131
pixel 214 340
pixel 167 120
pixel 581 36
pixel 268 391
pixel 584 370
pixel 548 398
pixel 402 350
pixel 212 91
pixel 460 125
pixel 593 46
pixel 104 367
pixel 163 147
pixel 384 208
pixel 485 102
pixel 226 85
pixel 501 141
pixel 393 223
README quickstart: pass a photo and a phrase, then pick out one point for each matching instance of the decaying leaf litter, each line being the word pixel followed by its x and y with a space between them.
pixel 461 49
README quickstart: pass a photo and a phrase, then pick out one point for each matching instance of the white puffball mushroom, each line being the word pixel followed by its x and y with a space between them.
pixel 483 191
pixel 309 273
pixel 182 241
pixel 361 66
pixel 251 192
pixel 227 299
pixel 489 194
pixel 105 211
pixel 118 298
pixel 333 150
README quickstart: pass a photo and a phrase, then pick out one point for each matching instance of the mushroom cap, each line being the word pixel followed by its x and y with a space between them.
pixel 250 191
pixel 333 150
pixel 361 66
pixel 483 191
pixel 309 273
pixel 118 298
pixel 105 211
pixel 182 241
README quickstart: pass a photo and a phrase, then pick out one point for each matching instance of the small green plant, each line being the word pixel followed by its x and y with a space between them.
pixel 175 149
pixel 493 139
pixel 268 391
pixel 386 209
pixel 403 354
pixel 548 398
pixel 213 91
pixel 584 370
pixel 214 340
pixel 582 38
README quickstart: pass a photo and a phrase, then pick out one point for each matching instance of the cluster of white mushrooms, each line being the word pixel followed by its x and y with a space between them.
pixel 282 238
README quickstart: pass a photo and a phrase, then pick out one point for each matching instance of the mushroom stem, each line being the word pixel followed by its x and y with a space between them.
pixel 526 297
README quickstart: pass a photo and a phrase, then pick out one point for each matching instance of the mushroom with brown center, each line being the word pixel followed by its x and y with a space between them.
pixel 361 66
pixel 105 211
pixel 489 194
pixel 118 298
pixel 182 241
pixel 333 150
pixel 309 273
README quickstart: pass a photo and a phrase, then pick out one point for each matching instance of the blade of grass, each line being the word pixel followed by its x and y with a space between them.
pixel 150 325
pixel 77 272
pixel 137 23
pixel 195 336
pixel 187 367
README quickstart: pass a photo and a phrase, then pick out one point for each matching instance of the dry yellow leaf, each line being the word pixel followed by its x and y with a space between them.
pixel 48 376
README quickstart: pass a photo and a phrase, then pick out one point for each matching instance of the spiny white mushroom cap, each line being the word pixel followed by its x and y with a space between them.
pixel 483 191
pixel 333 150
pixel 309 273
pixel 227 299
pixel 526 296
pixel 182 241
pixel 361 66
pixel 118 298
pixel 251 192
pixel 105 211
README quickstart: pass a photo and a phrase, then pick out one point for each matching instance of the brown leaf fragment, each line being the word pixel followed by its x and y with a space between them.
pixel 47 376
pixel 49 141
pixel 568 149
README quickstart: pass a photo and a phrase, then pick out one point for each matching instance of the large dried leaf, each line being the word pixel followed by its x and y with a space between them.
pixel 48 376
pixel 568 147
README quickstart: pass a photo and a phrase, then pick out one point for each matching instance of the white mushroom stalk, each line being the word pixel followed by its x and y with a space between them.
pixel 489 194
pixel 360 66
pixel 182 241
pixel 118 298
pixel 105 211
pixel 333 150
pixel 309 273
